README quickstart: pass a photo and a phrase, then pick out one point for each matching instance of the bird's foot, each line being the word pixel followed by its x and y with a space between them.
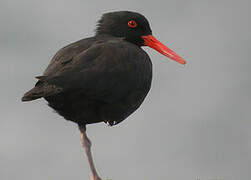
pixel 95 178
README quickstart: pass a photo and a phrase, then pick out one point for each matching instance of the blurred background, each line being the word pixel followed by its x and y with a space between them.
pixel 195 122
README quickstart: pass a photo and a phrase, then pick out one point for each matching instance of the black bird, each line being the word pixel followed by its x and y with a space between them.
pixel 104 78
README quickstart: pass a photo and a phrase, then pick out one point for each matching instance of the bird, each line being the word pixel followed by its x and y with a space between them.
pixel 103 78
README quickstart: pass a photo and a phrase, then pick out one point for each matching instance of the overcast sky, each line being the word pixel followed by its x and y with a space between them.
pixel 195 122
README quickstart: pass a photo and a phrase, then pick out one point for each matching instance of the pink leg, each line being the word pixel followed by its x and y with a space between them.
pixel 87 146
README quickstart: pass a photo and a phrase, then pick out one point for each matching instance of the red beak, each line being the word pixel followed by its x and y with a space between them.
pixel 152 42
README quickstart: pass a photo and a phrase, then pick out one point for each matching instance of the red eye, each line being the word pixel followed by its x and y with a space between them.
pixel 132 24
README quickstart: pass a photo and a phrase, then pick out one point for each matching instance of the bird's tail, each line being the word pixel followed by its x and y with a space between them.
pixel 35 93
pixel 41 89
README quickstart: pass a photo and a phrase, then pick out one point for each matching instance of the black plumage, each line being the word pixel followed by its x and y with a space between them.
pixel 96 86
pixel 103 78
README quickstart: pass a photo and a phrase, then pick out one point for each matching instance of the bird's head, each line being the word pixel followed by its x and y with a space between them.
pixel 135 28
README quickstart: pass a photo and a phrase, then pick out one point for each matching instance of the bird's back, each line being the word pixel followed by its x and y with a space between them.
pixel 66 55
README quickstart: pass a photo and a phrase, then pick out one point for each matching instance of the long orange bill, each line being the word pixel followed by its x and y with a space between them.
pixel 152 42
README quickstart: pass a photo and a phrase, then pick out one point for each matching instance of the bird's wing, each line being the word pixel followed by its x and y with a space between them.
pixel 97 72
pixel 66 54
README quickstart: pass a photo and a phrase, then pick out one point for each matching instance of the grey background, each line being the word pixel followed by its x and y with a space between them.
pixel 195 123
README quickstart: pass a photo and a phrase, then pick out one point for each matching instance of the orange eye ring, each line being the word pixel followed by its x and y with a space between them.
pixel 132 24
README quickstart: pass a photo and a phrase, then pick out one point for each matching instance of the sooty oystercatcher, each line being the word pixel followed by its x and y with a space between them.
pixel 103 78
